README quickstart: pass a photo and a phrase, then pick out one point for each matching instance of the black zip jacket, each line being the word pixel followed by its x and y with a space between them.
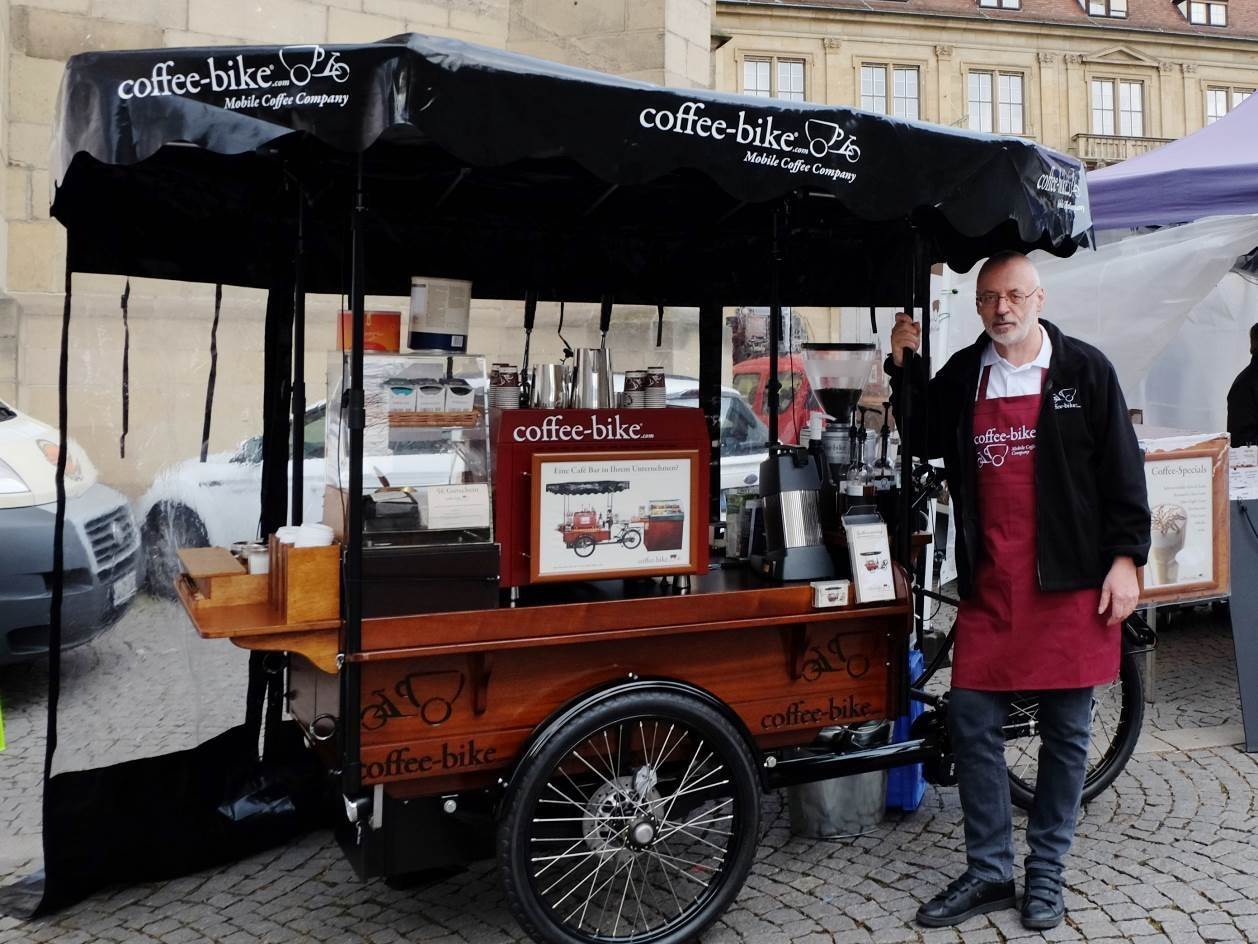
pixel 1091 503
pixel 1242 406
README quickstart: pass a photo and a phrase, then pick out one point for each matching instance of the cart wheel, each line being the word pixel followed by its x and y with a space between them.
pixel 637 820
pixel 632 538
pixel 583 546
pixel 1117 713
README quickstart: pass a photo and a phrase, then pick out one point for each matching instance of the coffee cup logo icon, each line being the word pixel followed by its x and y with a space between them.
pixel 822 136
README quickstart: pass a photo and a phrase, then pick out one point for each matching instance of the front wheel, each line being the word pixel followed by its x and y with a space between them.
pixel 168 527
pixel 637 820
pixel 631 538
pixel 583 546
pixel 1117 713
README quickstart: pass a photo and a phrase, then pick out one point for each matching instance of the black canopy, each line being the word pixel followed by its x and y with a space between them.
pixel 521 174
pixel 604 487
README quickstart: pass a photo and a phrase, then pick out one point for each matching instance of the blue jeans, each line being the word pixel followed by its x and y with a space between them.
pixel 975 722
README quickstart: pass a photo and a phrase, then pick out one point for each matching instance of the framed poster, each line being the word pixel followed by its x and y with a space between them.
pixel 1189 538
pixel 604 515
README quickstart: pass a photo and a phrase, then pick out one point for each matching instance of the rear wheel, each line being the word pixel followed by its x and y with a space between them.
pixel 631 538
pixel 636 821
pixel 168 527
pixel 1117 713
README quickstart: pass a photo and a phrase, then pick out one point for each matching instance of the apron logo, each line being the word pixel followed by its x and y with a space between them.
pixel 1065 400
pixel 993 455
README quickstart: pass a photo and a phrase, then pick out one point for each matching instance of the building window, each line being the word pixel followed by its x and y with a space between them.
pixel 1118 108
pixel 1106 7
pixel 905 89
pixel 995 102
pixel 774 78
pixel 1220 100
pixel 1207 13
pixel 1002 4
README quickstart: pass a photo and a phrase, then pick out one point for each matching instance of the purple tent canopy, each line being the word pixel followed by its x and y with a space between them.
pixel 1212 172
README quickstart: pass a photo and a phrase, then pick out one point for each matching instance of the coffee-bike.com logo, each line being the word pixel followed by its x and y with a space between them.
pixel 277 83
pixel 812 149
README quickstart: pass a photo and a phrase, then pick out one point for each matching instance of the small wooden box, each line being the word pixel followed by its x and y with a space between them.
pixel 219 579
pixel 305 582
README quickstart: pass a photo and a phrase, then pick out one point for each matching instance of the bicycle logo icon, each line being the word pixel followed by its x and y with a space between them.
pixel 431 694
pixel 833 660
pixel 303 61
pixel 993 455
pixel 824 138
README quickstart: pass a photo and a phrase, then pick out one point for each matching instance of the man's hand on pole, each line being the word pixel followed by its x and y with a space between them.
pixel 906 333
pixel 1121 591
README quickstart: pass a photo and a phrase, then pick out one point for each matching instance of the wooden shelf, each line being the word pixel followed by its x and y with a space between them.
pixel 260 625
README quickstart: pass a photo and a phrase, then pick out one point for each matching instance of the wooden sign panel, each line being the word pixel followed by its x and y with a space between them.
pixel 458 714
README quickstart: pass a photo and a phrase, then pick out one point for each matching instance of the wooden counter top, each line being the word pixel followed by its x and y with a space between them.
pixel 572 613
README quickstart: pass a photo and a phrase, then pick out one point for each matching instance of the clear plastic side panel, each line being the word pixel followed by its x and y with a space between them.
pixel 426 472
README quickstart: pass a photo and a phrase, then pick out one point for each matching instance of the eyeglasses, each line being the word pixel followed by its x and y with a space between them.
pixel 1015 298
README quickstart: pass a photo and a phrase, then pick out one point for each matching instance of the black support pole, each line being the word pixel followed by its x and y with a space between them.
pixel 710 353
pixel 299 361
pixel 354 414
pixel 904 533
pixel 775 324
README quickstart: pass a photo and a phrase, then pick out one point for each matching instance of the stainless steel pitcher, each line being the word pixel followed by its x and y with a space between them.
pixel 592 387
pixel 548 389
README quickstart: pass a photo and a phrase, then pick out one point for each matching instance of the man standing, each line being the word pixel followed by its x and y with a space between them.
pixel 1047 483
pixel 1242 399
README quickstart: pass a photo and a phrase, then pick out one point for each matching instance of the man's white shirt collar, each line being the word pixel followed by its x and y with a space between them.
pixel 992 359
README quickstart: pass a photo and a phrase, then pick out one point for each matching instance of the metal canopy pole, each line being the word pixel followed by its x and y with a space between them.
pixel 355 417
pixel 299 362
pixel 710 353
pixel 775 324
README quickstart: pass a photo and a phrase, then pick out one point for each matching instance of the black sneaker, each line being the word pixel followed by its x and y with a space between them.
pixel 1042 904
pixel 964 898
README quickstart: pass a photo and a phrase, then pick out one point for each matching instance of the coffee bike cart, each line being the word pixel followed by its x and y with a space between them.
pixel 616 735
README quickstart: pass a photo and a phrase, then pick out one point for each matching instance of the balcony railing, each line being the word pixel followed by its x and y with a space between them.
pixel 1097 150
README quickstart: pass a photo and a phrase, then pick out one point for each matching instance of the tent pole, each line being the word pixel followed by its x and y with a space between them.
pixel 299 361
pixel 921 265
pixel 355 419
pixel 775 324
pixel 710 353
pixel 904 533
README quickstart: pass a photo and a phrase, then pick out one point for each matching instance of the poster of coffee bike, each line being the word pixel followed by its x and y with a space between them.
pixel 1188 539
pixel 605 515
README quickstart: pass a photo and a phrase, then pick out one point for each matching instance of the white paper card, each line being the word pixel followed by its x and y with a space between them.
pixel 870 555
pixel 456 506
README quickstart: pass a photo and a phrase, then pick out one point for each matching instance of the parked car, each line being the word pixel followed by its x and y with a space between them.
pixel 795 400
pixel 744 439
pixel 102 544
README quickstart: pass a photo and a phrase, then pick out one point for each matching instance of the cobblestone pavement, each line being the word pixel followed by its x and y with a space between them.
pixel 1168 854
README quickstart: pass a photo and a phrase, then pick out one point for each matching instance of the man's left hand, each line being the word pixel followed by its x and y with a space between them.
pixel 1121 591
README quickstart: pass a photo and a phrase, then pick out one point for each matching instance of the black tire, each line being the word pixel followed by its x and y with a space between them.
pixel 632 538
pixel 1117 714
pixel 583 546
pixel 167 527
pixel 626 820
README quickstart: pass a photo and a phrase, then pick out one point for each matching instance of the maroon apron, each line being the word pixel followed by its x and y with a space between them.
pixel 1011 635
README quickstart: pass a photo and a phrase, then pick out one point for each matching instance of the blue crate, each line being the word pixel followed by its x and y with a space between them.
pixel 906 785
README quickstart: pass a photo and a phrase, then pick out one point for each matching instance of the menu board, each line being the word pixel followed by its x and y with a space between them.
pixel 1188 540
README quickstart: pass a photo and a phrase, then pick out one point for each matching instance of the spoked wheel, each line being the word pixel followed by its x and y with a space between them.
pixel 1117 713
pixel 637 821
pixel 631 538
pixel 583 546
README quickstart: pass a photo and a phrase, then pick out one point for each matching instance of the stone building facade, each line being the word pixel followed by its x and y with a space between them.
pixel 1103 80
